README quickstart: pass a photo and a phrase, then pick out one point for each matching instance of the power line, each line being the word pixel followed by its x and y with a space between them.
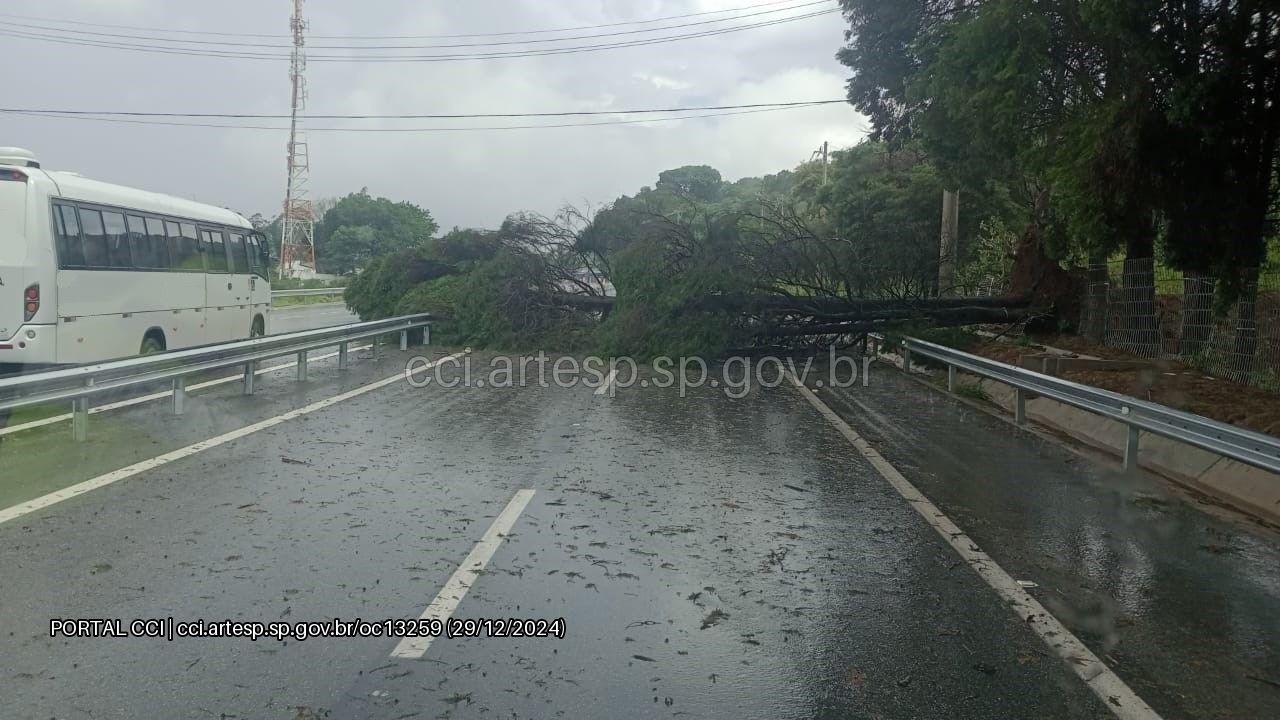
pixel 177 31
pixel 420 116
pixel 282 128
pixel 247 55
pixel 179 44
pixel 253 55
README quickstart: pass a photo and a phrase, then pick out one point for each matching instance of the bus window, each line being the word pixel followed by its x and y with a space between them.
pixel 214 246
pixel 118 254
pixel 70 250
pixel 258 259
pixel 187 250
pixel 159 243
pixel 173 237
pixel 95 240
pixel 139 243
pixel 239 254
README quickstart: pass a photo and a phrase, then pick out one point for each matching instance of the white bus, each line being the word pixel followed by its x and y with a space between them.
pixel 91 271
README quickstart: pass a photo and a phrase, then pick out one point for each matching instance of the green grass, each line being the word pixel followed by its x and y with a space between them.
pixel 973 392
pixel 32 413
pixel 1268 380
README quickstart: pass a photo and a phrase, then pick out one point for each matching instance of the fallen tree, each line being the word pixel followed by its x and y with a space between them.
pixel 946 317
pixel 785 317
pixel 696 282
pixel 817 306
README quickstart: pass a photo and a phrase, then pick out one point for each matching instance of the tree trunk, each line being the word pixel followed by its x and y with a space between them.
pixel 1098 283
pixel 1246 343
pixel 834 305
pixel 1141 331
pixel 1197 313
pixel 1037 276
pixel 948 317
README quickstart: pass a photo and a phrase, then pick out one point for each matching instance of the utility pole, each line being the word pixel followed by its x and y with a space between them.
pixel 821 153
pixel 297 238
pixel 948 242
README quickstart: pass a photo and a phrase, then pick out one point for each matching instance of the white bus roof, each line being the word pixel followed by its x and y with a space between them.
pixel 76 187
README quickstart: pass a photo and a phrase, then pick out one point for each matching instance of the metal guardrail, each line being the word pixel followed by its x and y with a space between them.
pixel 81 383
pixel 308 292
pixel 1246 446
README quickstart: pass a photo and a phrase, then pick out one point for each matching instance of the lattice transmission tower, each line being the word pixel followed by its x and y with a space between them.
pixel 297 241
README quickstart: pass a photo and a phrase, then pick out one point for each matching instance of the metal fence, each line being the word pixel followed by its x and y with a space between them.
pixel 1155 312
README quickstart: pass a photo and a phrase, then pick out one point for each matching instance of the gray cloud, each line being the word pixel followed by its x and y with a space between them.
pixel 464 178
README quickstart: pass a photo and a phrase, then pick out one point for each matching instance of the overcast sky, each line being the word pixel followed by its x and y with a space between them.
pixel 464 178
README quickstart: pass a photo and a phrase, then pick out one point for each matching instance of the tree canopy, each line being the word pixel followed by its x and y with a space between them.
pixel 1131 123
pixel 359 228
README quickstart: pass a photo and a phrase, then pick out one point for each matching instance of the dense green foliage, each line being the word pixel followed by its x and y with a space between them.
pixel 1123 125
pixel 433 271
pixel 359 228
pixel 376 292
pixel 864 226
pixel 658 280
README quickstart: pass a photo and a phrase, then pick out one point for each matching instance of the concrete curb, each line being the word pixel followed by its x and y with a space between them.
pixel 1246 488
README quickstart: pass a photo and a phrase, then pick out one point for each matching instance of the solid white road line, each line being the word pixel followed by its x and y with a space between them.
pixel 157 396
pixel 1123 702
pixel 462 579
pixel 81 488
pixel 607 386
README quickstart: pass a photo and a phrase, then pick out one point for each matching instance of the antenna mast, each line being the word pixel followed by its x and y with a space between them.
pixel 297 242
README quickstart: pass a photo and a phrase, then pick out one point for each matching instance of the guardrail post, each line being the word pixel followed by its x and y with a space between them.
pixel 179 395
pixel 906 359
pixel 1019 406
pixel 426 334
pixel 249 375
pixel 404 340
pixel 951 378
pixel 80 415
pixel 302 366
pixel 1131 449
pixel 342 356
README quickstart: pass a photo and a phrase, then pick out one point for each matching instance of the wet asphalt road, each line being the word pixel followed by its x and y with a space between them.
pixel 711 558
pixel 1183 601
pixel 293 318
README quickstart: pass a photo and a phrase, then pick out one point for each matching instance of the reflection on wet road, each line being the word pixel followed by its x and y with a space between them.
pixel 1183 603
pixel 710 557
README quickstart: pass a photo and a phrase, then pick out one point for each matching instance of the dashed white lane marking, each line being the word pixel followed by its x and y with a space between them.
pixel 157 396
pixel 607 386
pixel 455 589
pixel 1123 702
pixel 81 488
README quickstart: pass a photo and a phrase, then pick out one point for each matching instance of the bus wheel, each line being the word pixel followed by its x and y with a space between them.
pixel 151 344
pixel 259 327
